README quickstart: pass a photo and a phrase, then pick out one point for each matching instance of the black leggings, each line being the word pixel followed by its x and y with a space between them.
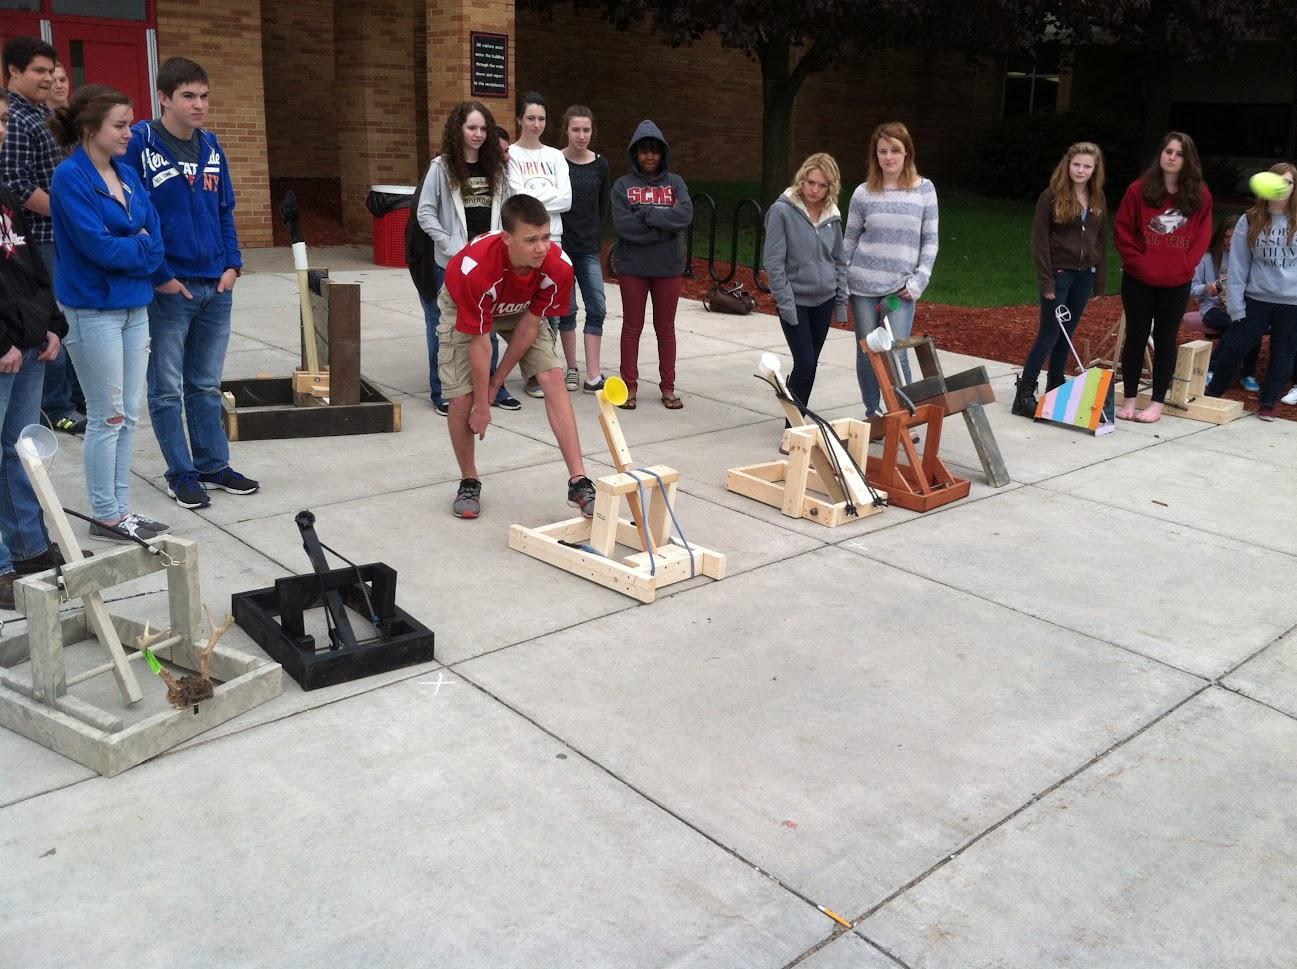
pixel 1156 309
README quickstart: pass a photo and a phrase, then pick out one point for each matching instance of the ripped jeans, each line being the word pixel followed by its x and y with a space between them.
pixel 110 349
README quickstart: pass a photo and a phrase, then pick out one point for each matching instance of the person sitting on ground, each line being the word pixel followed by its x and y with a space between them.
pixel 1208 288
pixel 508 282
pixel 1263 292
pixel 807 267
pixel 1069 243
pixel 651 209
pixel 31 328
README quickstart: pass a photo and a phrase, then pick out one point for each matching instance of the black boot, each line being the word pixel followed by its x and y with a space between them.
pixel 1024 398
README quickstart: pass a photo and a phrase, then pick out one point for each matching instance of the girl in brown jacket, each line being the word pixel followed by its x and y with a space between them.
pixel 1069 243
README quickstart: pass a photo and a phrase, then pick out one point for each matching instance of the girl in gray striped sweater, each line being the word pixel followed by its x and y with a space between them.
pixel 891 240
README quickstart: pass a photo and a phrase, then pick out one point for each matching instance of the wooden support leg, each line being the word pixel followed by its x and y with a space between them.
pixel 45 636
pixel 988 451
pixel 603 529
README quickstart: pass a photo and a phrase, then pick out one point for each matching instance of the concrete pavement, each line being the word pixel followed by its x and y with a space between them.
pixel 1051 725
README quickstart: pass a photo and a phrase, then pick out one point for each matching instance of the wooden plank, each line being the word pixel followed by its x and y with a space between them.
pixel 274 423
pixel 603 527
pixel 988 449
pixel 604 571
pixel 229 415
pixel 45 636
pixel 93 601
pixel 1209 410
pixel 344 342
pixel 799 462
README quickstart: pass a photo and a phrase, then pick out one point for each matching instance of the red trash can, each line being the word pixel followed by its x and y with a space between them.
pixel 390 206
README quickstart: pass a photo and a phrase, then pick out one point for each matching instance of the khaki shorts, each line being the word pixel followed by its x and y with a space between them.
pixel 453 366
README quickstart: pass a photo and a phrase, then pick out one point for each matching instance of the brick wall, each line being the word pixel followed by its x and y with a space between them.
pixel 374 104
pixel 448 25
pixel 225 37
pixel 297 49
pixel 707 99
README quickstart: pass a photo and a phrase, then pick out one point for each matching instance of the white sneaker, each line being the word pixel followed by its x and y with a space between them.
pixel 1289 398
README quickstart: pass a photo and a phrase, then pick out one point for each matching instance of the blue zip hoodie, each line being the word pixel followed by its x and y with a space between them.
pixel 198 219
pixel 105 262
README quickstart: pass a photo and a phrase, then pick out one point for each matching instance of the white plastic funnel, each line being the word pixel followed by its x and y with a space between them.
pixel 38 442
pixel 769 365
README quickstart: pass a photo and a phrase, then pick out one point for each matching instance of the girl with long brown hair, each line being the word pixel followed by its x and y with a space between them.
pixel 1069 246
pixel 1262 293
pixel 460 200
pixel 1162 229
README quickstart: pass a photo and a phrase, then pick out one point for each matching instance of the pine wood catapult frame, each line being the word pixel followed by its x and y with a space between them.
pixel 1187 396
pixel 588 546
pixel 804 485
pixel 36 702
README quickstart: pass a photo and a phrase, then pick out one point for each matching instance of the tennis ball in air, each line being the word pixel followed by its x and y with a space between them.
pixel 1269 185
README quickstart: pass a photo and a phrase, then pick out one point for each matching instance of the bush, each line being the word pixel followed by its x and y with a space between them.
pixel 1016 157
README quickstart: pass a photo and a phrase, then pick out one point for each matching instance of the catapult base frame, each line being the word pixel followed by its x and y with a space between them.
pixel 264 408
pixel 39 706
pixel 591 543
pixel 1188 394
pixel 796 486
pixel 273 618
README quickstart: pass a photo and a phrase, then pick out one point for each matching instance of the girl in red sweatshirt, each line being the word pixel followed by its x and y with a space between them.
pixel 1162 229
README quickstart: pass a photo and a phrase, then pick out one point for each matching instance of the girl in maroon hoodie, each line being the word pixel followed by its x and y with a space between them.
pixel 1162 229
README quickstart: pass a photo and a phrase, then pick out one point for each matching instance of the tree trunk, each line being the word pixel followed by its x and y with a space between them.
pixel 779 87
pixel 776 117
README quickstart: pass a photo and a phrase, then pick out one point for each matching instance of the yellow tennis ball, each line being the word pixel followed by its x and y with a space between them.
pixel 1269 186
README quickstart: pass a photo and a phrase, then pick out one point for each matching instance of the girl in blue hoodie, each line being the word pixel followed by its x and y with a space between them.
pixel 651 210
pixel 110 245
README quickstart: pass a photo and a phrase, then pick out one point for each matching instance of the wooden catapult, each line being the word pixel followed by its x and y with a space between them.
pixel 1187 396
pixel 326 395
pixel 35 681
pixel 913 481
pixel 965 393
pixel 820 480
pixel 588 546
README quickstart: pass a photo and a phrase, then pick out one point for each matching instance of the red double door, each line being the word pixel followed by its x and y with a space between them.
pixel 112 47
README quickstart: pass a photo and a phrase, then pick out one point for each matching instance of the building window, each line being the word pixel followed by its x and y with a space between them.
pixel 1031 83
pixel 107 9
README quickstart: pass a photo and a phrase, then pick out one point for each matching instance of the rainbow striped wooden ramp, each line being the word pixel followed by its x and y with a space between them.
pixel 1083 402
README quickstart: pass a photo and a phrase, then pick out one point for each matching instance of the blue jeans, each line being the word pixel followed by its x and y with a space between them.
pixel 868 317
pixel 21 533
pixel 189 340
pixel 589 277
pixel 1072 288
pixel 431 319
pixel 111 351
pixel 60 393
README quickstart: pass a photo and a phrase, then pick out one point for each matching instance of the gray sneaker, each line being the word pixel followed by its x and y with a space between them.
pixel 468 500
pixel 532 388
pixel 572 380
pixel 581 494
pixel 149 524
pixel 126 530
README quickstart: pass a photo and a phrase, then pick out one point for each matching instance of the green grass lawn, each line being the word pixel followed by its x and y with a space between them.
pixel 984 257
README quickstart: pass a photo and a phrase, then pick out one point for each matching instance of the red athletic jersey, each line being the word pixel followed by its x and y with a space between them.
pixel 484 284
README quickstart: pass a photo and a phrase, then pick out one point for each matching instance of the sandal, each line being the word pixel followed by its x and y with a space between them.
pixel 672 402
pixel 629 404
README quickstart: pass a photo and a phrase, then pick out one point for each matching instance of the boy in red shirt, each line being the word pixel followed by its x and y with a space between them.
pixel 506 282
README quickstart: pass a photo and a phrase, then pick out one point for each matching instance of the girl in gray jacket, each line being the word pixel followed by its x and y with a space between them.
pixel 806 266
pixel 460 200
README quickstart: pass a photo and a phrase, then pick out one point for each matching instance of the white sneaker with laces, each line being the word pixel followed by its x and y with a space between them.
pixel 1289 398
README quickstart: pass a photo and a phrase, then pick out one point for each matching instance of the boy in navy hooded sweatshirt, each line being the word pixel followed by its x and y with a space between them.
pixel 187 177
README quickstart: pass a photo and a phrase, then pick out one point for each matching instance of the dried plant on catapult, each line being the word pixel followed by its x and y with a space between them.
pixel 188 691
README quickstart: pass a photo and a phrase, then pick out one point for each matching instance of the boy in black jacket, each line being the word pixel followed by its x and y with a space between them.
pixel 31 329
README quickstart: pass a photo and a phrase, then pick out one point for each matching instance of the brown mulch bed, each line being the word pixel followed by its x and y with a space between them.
pixel 1002 333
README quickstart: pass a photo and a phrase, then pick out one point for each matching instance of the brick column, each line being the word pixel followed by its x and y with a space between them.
pixel 449 24
pixel 225 37
pixel 375 102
